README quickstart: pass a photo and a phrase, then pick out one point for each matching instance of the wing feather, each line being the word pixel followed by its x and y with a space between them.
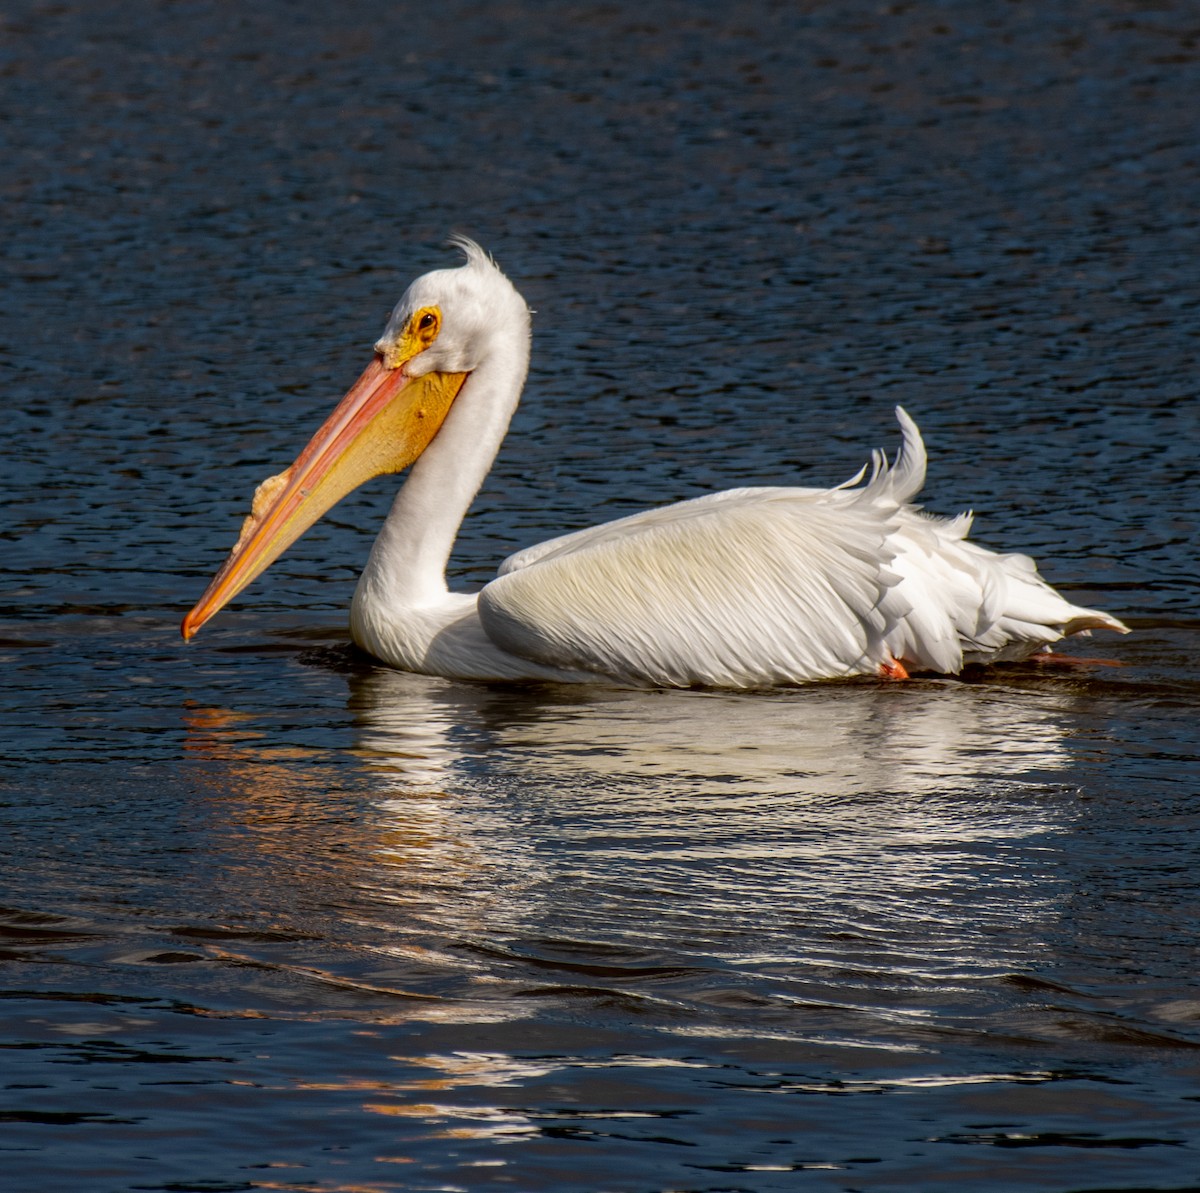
pixel 746 588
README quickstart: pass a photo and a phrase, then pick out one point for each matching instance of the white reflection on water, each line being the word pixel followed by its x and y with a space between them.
pixel 919 822
pixel 834 740
pixel 776 845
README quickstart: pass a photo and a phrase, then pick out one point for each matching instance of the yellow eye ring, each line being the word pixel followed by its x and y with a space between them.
pixel 425 325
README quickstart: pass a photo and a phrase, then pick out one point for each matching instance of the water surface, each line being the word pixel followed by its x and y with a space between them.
pixel 276 918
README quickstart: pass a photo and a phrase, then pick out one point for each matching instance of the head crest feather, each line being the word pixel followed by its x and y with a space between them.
pixel 474 254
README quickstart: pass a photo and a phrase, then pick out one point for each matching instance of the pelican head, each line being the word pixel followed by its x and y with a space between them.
pixel 451 320
pixel 444 327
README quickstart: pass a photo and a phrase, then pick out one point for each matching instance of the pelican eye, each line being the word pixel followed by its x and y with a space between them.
pixel 424 326
pixel 420 328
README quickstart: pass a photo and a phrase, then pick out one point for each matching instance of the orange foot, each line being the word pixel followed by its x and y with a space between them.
pixel 893 670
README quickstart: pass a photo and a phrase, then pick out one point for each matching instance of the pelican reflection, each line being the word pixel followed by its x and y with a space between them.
pixel 918 822
pixel 833 741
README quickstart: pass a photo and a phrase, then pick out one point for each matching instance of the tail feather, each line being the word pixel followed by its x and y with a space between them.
pixel 1093 619
pixel 903 479
pixel 908 472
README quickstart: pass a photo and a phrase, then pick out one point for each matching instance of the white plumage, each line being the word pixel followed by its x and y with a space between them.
pixel 747 588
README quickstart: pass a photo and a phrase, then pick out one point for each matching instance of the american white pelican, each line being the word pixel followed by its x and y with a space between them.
pixel 742 589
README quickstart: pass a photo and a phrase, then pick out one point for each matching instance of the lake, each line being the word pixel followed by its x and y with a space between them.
pixel 274 917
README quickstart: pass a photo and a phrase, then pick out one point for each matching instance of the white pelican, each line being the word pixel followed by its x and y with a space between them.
pixel 747 588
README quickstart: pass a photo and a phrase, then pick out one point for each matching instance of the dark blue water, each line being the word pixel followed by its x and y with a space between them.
pixel 275 918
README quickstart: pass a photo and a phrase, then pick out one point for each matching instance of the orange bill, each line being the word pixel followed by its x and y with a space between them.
pixel 383 424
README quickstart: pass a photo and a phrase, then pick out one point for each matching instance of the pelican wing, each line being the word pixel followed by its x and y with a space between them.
pixel 746 588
